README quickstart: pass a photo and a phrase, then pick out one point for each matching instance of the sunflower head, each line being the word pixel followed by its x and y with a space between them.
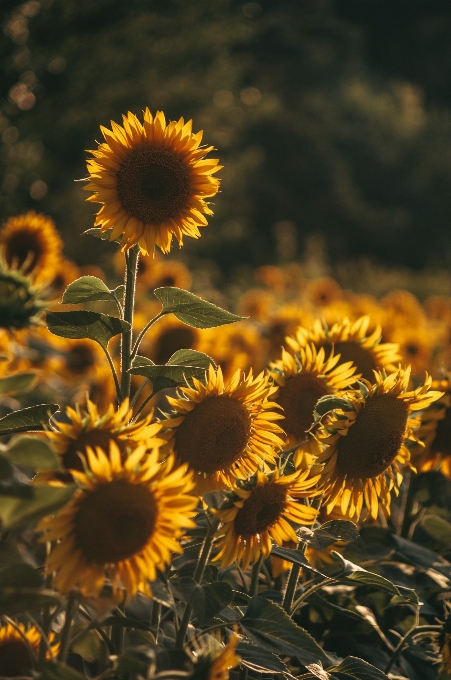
pixel 351 341
pixel 224 431
pixel 365 442
pixel 434 433
pixel 30 243
pixel 212 661
pixel 21 303
pixel 121 525
pixel 19 648
pixel 303 379
pixel 260 511
pixel 152 179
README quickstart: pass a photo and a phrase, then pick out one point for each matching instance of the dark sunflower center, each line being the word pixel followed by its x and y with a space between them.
pixel 298 398
pixel 80 358
pixel 172 340
pixel 153 185
pixel 91 438
pixel 352 351
pixel 214 434
pixel 115 522
pixel 375 438
pixel 24 245
pixel 261 510
pixel 442 441
pixel 14 659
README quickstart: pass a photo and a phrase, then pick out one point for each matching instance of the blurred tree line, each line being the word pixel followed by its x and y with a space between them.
pixel 331 117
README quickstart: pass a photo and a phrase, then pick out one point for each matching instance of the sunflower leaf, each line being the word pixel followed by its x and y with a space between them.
pixel 102 235
pixel 86 289
pixel 17 382
pixel 192 310
pixel 329 533
pixel 23 505
pixel 190 357
pixel 163 377
pixel 357 669
pixel 295 556
pixel 92 325
pixel 31 452
pixel 269 627
pixel 17 600
pixel 329 402
pixel 31 418
pixel 352 572
pixel 260 660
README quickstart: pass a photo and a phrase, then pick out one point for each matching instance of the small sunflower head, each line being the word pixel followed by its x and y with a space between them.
pixel 212 661
pixel 19 648
pixel 21 303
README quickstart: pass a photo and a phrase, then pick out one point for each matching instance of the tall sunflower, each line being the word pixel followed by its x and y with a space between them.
pixel 86 428
pixel 365 442
pixel 261 512
pixel 19 649
pixel 434 433
pixel 122 524
pixel 31 243
pixel 350 340
pixel 224 431
pixel 152 179
pixel 303 379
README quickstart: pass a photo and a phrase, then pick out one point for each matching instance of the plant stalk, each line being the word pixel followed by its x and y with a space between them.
pixel 255 576
pixel 198 574
pixel 131 269
pixel 71 609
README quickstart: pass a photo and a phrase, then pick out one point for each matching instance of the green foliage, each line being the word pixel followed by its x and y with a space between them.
pixel 26 419
pixel 172 374
pixel 17 382
pixel 192 310
pixel 87 289
pixel 21 506
pixel 31 452
pixel 93 325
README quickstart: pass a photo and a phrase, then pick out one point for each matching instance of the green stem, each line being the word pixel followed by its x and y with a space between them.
pixel 143 405
pixel 46 616
pixel 131 268
pixel 398 650
pixel 255 576
pixel 308 592
pixel 113 371
pixel 155 618
pixel 408 515
pixel 292 582
pixel 71 609
pixel 142 334
pixel 138 392
pixel 118 632
pixel 198 574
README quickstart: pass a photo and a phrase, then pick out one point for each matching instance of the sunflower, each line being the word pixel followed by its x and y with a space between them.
pixel 323 291
pixel 261 513
pixel 152 179
pixel 365 442
pixel 303 379
pixel 86 428
pixel 285 321
pixel 416 346
pixel 350 340
pixel 212 661
pixel 239 345
pixel 31 244
pixel 21 303
pixel 256 303
pixel 224 431
pixel 19 649
pixel 434 433
pixel 122 524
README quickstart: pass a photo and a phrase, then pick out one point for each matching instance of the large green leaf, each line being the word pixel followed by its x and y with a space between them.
pixel 260 660
pixel 20 590
pixel 269 627
pixel 17 382
pixel 190 357
pixel 328 403
pixel 31 418
pixel 356 574
pixel 24 505
pixel 86 324
pixel 31 452
pixel 330 532
pixel 192 310
pixel 358 669
pixel 420 556
pixel 163 377
pixel 103 236
pixel 86 289
pixel 295 556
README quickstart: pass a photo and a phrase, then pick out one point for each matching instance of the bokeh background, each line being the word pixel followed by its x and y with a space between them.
pixel 332 119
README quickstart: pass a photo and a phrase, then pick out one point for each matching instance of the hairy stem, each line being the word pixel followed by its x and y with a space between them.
pixel 71 609
pixel 131 268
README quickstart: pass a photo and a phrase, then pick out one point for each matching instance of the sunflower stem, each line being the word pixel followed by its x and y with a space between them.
pixel 293 581
pixel 143 332
pixel 46 616
pixel 113 371
pixel 155 618
pixel 143 405
pixel 138 392
pixel 131 268
pixel 408 509
pixel 118 633
pixel 398 650
pixel 198 574
pixel 255 576
pixel 71 609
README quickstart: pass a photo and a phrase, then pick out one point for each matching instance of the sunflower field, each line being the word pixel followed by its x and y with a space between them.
pixel 192 492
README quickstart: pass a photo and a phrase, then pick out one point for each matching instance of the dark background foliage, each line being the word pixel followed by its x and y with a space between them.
pixel 331 117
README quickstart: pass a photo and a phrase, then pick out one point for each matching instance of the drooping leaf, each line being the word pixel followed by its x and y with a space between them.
pixel 420 556
pixel 86 289
pixel 163 377
pixel 328 403
pixel 330 532
pixel 318 601
pixel 31 452
pixel 260 660
pixel 295 556
pixel 358 669
pixel 190 357
pixel 192 310
pixel 24 505
pixel 268 626
pixel 85 324
pixel 17 382
pixel 190 592
pixel 356 574
pixel 103 236
pixel 217 595
pixel 31 418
